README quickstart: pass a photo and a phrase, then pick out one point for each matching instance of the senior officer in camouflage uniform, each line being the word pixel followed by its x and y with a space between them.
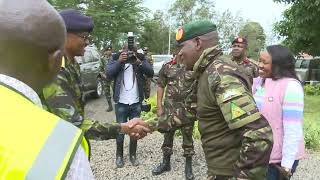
pixel 63 96
pixel 107 83
pixel 147 86
pixel 172 77
pixel 236 138
pixel 239 55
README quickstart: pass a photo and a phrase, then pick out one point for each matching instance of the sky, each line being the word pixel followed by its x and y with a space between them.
pixel 266 12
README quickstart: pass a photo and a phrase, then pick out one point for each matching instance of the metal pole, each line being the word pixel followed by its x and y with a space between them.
pixel 169 34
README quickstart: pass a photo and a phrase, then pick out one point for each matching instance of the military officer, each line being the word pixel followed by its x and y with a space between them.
pixel 147 87
pixel 236 138
pixel 172 77
pixel 239 55
pixel 107 83
pixel 63 96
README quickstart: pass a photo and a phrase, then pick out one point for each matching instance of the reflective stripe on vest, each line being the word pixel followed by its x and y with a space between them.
pixel 34 144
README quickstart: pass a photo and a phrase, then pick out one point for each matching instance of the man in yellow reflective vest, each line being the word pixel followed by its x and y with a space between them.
pixel 35 144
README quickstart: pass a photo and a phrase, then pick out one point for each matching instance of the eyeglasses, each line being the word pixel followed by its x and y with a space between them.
pixel 85 36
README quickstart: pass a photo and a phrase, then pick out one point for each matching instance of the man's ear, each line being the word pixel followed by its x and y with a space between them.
pixel 55 60
pixel 198 43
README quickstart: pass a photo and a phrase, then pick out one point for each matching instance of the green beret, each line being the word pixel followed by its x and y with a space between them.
pixel 194 29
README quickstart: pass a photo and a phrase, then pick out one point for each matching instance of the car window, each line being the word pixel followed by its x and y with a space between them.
pixel 161 58
pixel 305 64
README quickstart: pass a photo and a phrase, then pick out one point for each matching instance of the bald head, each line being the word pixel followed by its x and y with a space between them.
pixel 32 21
pixel 32 35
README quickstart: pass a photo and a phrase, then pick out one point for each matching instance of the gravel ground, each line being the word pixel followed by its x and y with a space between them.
pixel 149 155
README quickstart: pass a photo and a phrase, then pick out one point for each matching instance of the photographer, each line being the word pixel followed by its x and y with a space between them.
pixel 127 69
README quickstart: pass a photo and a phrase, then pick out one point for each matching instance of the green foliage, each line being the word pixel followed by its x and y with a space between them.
pixel 256 38
pixel 312 90
pixel 300 26
pixel 155 33
pixel 228 27
pixel 152 113
pixel 185 11
pixel 311 122
pixel 112 18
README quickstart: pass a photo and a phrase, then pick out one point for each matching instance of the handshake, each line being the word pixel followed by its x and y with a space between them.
pixel 136 128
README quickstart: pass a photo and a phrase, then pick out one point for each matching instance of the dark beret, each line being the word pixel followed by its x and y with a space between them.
pixel 240 40
pixel 76 21
pixel 194 29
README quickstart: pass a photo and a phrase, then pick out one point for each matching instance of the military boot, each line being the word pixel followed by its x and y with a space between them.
pixel 163 167
pixel 188 169
pixel 110 108
pixel 132 152
pixel 119 155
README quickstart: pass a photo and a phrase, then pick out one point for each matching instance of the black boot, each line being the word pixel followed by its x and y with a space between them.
pixel 110 108
pixel 132 152
pixel 164 166
pixel 188 169
pixel 119 155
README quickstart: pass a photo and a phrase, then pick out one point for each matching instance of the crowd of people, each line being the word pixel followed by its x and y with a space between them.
pixel 249 112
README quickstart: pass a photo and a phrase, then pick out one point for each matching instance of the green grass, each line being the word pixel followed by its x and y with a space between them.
pixel 311 122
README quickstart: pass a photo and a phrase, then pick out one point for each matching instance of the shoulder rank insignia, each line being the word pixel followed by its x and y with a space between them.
pixel 230 93
pixel 236 111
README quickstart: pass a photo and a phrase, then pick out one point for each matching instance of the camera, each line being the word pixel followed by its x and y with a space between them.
pixel 131 57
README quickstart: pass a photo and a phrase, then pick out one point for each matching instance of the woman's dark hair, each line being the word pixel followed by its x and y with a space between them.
pixel 282 62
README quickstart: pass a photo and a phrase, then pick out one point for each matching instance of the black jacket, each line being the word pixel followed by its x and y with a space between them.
pixel 115 71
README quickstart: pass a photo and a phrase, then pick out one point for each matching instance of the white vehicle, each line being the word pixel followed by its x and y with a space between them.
pixel 158 61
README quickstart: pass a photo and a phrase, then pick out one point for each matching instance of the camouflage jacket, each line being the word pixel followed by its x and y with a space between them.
pixel 179 84
pixel 103 63
pixel 63 98
pixel 251 68
pixel 149 59
pixel 236 138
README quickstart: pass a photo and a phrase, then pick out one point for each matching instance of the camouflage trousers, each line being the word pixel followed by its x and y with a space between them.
pixel 187 144
pixel 147 88
pixel 107 85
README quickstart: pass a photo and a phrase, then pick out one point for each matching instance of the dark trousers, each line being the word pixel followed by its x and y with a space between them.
pixel 125 112
pixel 187 144
pixel 273 172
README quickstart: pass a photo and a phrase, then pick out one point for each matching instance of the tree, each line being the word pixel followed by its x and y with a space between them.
pixel 301 26
pixel 185 11
pixel 112 18
pixel 228 27
pixel 256 38
pixel 155 33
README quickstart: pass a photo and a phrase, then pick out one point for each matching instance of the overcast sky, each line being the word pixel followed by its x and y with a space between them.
pixel 266 12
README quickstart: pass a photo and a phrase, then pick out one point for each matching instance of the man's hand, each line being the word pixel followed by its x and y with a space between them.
pixel 123 57
pixel 160 111
pixel 136 128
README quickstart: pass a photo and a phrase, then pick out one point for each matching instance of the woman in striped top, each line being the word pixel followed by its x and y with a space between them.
pixel 279 97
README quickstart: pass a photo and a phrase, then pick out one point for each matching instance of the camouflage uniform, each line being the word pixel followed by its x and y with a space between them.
pixel 236 138
pixel 107 83
pixel 251 68
pixel 147 86
pixel 63 98
pixel 172 77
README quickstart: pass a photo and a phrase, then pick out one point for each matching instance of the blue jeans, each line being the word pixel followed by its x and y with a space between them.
pixel 125 112
pixel 273 173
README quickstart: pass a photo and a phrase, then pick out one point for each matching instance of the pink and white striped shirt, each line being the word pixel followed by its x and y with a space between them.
pixel 282 103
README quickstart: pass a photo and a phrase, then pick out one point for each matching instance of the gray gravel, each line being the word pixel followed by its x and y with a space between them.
pixel 149 155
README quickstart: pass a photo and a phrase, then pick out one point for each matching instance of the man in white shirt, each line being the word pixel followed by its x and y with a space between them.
pixel 128 75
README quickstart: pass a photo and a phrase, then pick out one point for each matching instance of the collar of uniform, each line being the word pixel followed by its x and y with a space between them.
pixel 205 59
pixel 22 88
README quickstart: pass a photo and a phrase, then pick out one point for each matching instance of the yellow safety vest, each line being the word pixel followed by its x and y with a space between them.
pixel 34 144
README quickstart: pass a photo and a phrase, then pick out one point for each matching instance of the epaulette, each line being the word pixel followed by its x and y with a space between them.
pixel 247 61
